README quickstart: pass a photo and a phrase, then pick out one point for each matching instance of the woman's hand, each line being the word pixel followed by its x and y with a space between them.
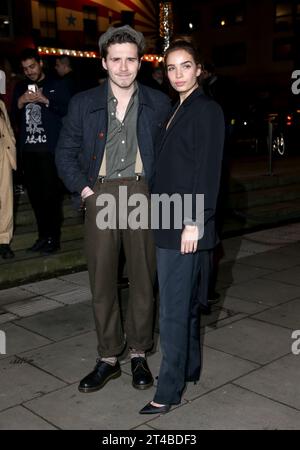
pixel 189 239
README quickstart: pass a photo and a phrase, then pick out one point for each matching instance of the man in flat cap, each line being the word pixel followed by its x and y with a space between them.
pixel 107 143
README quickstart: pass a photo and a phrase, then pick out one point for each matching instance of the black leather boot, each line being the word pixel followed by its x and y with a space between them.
pixel 141 375
pixel 6 252
pixel 102 373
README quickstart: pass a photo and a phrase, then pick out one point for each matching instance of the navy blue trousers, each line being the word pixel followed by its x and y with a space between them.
pixel 205 276
pixel 178 323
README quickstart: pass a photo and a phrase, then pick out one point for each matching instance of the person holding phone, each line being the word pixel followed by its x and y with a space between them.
pixel 40 103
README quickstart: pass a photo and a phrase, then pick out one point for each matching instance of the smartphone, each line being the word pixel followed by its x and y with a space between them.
pixel 32 87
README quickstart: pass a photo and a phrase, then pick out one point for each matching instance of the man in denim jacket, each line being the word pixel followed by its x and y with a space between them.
pixel 107 142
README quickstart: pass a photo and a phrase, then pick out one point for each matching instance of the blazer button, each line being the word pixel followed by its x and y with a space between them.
pixel 94 157
pixel 91 179
pixel 101 135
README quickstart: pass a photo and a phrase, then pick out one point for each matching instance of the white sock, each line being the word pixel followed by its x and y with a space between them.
pixel 136 354
pixel 112 360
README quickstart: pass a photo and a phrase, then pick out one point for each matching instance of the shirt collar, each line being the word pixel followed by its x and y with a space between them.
pixel 111 97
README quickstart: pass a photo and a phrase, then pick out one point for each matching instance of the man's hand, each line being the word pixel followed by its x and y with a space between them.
pixel 41 97
pixel 86 192
pixel 189 239
pixel 32 97
pixel 28 97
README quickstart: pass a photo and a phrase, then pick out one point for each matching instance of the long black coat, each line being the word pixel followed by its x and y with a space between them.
pixel 189 161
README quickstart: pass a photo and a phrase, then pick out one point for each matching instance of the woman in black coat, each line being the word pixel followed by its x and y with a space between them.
pixel 189 159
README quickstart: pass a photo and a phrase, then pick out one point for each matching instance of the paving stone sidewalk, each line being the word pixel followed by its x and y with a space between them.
pixel 250 377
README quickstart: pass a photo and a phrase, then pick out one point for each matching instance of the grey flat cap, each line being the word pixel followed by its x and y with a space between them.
pixel 137 36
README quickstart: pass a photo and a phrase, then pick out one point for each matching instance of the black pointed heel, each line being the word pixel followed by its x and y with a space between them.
pixel 151 409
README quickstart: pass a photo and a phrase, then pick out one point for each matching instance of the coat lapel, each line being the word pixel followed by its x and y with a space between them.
pixel 176 119
pixel 166 131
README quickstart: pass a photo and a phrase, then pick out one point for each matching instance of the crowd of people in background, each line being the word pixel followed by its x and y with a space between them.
pixel 34 99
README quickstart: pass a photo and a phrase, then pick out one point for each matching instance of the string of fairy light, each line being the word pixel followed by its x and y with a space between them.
pixel 66 52
pixel 48 51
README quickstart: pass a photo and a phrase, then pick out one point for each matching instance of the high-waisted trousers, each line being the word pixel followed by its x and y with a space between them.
pixel 178 324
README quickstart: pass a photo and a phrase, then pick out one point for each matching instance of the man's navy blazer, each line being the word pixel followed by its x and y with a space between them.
pixel 82 140
pixel 188 161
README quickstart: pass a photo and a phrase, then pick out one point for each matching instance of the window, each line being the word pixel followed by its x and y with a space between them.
pixel 283 49
pixel 188 17
pixel 5 19
pixel 47 12
pixel 230 55
pixel 90 25
pixel 229 15
pixel 287 13
pixel 283 16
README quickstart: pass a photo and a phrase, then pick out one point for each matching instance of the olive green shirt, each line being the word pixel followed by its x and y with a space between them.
pixel 121 145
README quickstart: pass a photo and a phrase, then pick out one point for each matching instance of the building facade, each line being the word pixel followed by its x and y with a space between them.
pixel 74 24
pixel 256 42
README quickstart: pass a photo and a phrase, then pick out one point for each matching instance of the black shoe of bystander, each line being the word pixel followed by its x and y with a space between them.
pixel 51 245
pixel 6 252
pixel 37 246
